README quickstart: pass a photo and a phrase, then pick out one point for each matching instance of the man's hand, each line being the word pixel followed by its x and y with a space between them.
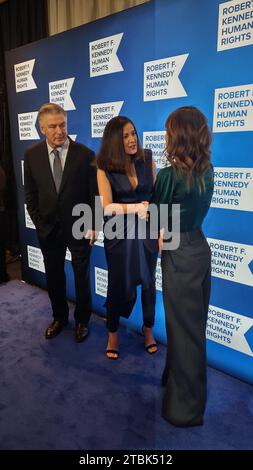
pixel 92 236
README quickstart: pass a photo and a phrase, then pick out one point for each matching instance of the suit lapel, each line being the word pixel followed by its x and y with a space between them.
pixel 46 169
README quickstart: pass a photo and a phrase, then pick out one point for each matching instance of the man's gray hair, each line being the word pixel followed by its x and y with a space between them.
pixel 50 108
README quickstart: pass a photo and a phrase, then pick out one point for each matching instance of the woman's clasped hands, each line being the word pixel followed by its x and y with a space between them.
pixel 141 209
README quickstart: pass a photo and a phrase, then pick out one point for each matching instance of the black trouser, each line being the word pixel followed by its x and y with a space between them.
pixel 54 251
pixel 3 272
pixel 186 290
pixel 148 298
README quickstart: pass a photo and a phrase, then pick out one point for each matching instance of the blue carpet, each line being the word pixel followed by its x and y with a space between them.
pixel 57 394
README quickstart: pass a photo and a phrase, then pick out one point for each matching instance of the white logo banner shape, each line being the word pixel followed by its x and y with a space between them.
pixel 22 172
pixel 101 114
pixel 155 141
pixel 26 125
pixel 103 56
pixel 229 329
pixel 68 256
pixel 73 137
pixel 233 189
pixel 59 93
pixel 233 109
pixel 28 221
pixel 35 259
pixel 235 28
pixel 158 275
pixel 100 239
pixel 232 261
pixel 101 281
pixel 23 76
pixel 161 78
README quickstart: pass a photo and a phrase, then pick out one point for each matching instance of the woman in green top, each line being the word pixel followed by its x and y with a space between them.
pixel 188 181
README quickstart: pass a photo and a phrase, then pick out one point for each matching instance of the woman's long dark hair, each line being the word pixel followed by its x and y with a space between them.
pixel 189 140
pixel 112 156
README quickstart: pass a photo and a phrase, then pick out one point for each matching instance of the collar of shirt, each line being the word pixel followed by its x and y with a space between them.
pixel 63 150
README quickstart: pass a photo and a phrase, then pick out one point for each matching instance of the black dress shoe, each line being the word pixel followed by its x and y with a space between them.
pixel 55 328
pixel 184 424
pixel 81 332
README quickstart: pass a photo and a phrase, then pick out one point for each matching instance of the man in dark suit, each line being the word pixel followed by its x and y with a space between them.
pixel 59 175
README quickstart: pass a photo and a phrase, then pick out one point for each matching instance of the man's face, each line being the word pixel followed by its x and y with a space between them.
pixel 54 128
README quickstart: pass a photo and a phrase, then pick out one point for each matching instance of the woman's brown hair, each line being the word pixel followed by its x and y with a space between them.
pixel 189 141
pixel 112 156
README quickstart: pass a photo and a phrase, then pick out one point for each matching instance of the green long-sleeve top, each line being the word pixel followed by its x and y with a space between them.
pixel 170 188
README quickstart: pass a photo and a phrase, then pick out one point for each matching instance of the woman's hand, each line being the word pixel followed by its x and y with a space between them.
pixel 160 240
pixel 141 209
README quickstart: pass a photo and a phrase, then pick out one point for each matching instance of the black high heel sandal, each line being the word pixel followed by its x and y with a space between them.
pixel 112 351
pixel 149 347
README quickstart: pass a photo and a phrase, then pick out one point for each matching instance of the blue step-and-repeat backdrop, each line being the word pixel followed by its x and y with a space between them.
pixel 144 63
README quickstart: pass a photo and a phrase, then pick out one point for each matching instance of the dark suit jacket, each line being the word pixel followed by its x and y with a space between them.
pixel 78 186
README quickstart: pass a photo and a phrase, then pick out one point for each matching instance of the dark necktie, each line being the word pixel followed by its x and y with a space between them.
pixel 57 170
